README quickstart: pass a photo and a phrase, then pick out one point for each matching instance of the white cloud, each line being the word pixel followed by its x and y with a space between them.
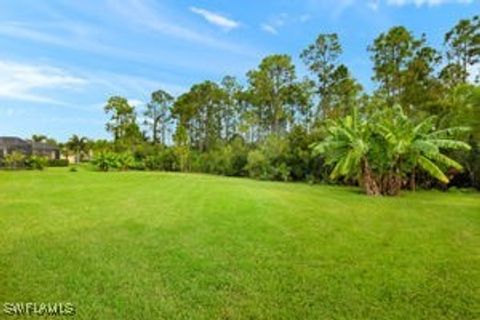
pixel 269 28
pixel 23 81
pixel 216 19
pixel 132 85
pixel 62 36
pixel 420 3
pixel 68 36
pixel 20 30
pixel 42 83
pixel 373 4
pixel 278 21
pixel 146 14
pixel 340 7
pixel 332 8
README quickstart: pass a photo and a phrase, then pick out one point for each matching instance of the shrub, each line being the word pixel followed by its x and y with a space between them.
pixel 57 163
pixel 258 166
pixel 269 161
pixel 106 161
pixel 125 161
pixel 14 160
pixel 299 157
pixel 239 156
pixel 282 172
pixel 153 162
pixel 138 164
pixel 35 162
pixel 164 159
pixel 218 161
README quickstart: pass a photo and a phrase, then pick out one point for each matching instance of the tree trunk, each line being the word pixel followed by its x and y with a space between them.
pixel 412 181
pixel 164 129
pixel 391 184
pixel 154 135
pixel 369 181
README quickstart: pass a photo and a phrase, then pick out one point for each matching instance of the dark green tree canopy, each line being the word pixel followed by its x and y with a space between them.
pixel 463 44
pixel 122 123
pixel 271 88
pixel 157 115
pixel 264 126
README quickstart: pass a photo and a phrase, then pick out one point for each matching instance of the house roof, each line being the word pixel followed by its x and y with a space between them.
pixel 12 141
pixel 18 142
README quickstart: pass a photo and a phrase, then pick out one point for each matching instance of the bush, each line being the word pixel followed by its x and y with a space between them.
pixel 282 172
pixel 106 161
pixel 227 159
pixel 164 159
pixel 269 161
pixel 14 160
pixel 219 161
pixel 57 163
pixel 153 162
pixel 125 161
pixel 239 156
pixel 35 162
pixel 138 164
pixel 258 165
pixel 299 158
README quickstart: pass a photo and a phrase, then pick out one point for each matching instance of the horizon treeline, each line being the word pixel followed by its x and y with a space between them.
pixel 265 127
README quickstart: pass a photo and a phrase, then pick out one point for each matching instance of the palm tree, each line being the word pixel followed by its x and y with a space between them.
pixel 106 160
pixel 125 161
pixel 78 145
pixel 346 148
pixel 382 151
pixel 39 138
pixel 413 146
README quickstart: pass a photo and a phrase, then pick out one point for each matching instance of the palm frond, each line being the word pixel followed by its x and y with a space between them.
pixel 337 169
pixel 348 122
pixel 449 132
pixel 425 147
pixel 386 133
pixel 450 144
pixel 326 145
pixel 424 126
pixel 347 163
pixel 432 169
pixel 449 162
pixel 343 132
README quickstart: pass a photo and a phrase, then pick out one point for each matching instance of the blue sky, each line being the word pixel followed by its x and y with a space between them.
pixel 61 60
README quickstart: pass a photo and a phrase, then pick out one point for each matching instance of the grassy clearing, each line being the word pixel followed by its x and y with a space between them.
pixel 140 245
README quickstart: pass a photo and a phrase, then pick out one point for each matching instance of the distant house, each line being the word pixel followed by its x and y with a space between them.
pixel 27 147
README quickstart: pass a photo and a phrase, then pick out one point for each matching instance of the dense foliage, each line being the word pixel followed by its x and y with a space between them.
pixel 381 151
pixel 277 126
pixel 17 160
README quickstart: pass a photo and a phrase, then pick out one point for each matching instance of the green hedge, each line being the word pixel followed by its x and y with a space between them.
pixel 57 163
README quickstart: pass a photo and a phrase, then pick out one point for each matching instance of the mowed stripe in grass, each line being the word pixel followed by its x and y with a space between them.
pixel 142 245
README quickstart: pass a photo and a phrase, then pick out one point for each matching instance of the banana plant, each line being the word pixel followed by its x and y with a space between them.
pixel 381 150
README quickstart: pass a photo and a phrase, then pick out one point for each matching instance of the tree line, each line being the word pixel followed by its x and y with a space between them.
pixel 423 114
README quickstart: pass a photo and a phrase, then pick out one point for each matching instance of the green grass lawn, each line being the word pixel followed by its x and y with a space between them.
pixel 140 245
